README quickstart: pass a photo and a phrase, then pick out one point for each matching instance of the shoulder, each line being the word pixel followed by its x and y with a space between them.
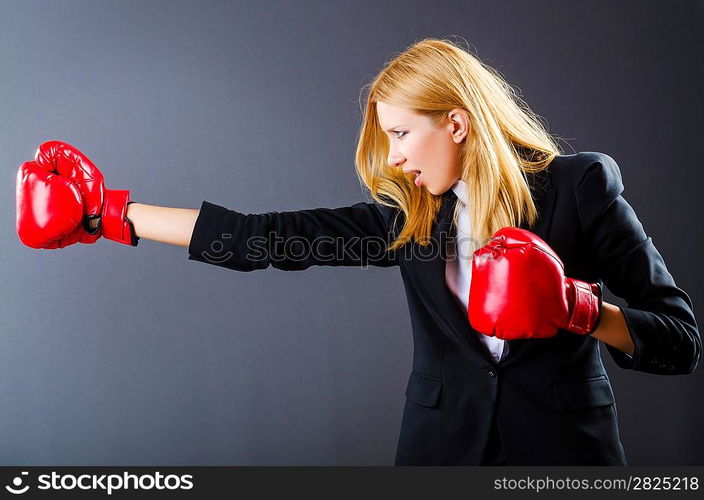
pixel 587 171
pixel 593 178
pixel 388 211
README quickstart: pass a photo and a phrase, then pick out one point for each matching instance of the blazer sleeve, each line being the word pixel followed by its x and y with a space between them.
pixel 659 314
pixel 356 235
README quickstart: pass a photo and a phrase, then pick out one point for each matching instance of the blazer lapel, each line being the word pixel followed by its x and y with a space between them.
pixel 429 273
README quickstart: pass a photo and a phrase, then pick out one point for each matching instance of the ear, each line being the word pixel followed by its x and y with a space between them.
pixel 460 126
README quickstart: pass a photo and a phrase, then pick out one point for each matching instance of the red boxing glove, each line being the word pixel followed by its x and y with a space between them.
pixel 104 210
pixel 519 290
pixel 49 209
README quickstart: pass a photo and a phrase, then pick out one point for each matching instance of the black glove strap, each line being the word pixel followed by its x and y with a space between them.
pixel 91 223
pixel 601 302
pixel 135 238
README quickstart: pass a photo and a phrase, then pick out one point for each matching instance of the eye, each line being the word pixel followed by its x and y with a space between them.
pixel 399 132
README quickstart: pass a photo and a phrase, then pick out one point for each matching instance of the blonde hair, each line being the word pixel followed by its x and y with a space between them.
pixel 506 139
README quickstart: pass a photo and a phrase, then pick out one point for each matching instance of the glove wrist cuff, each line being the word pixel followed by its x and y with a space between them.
pixel 586 301
pixel 116 225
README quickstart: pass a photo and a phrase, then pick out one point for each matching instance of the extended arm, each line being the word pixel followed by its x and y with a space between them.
pixel 355 235
pixel 163 224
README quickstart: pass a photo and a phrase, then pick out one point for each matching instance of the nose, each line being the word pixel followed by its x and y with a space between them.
pixel 394 159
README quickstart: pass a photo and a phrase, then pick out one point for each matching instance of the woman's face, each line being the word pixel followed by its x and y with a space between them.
pixel 417 144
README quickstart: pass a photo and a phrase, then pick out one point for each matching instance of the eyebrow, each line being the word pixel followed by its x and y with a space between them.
pixel 391 129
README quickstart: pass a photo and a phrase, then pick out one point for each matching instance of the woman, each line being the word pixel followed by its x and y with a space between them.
pixel 506 366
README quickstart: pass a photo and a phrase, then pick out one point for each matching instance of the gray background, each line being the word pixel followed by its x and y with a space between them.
pixel 118 355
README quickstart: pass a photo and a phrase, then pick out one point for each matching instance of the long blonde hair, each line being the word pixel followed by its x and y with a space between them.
pixel 506 139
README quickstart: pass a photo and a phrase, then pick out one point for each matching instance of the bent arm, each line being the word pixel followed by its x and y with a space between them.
pixel 163 224
pixel 659 315
pixel 613 329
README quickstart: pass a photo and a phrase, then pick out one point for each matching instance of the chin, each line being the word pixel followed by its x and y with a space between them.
pixel 439 191
pixel 434 191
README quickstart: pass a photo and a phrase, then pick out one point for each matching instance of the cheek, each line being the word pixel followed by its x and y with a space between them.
pixel 424 150
pixel 443 157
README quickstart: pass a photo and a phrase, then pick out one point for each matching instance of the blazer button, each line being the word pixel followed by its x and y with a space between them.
pixel 492 372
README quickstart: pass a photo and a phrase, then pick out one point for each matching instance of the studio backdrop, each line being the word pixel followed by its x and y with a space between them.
pixel 111 354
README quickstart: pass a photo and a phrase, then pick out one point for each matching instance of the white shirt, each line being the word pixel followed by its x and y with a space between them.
pixel 458 271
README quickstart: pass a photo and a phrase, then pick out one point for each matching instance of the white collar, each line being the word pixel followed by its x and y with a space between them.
pixel 460 189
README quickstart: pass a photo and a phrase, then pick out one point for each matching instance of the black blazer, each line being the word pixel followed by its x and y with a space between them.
pixel 550 399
